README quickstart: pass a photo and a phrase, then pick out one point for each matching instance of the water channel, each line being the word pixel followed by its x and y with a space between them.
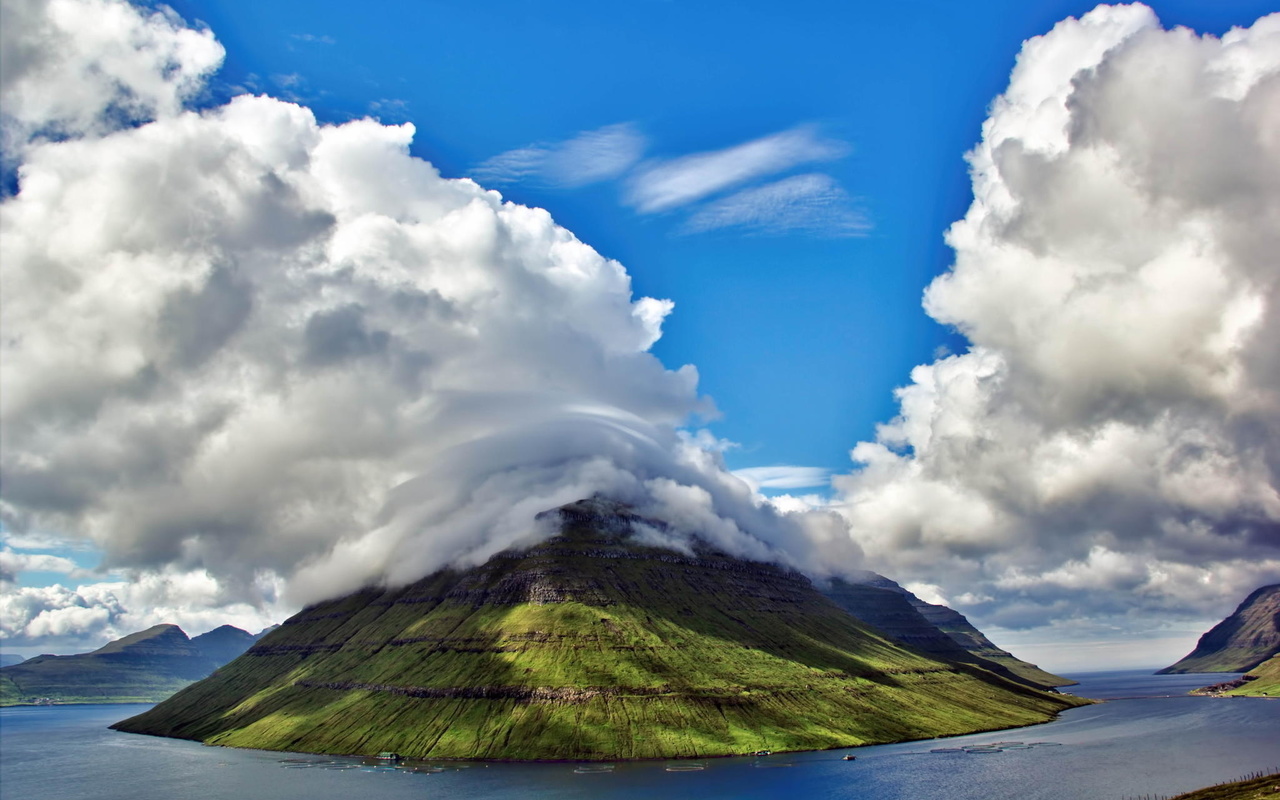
pixel 1150 739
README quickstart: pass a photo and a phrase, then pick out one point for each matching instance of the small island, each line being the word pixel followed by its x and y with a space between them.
pixel 590 646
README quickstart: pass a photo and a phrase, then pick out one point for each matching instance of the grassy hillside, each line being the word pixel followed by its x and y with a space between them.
pixel 1255 788
pixel 1263 681
pixel 587 647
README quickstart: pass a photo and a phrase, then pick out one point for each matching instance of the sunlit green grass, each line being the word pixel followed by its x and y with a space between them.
pixel 1266 680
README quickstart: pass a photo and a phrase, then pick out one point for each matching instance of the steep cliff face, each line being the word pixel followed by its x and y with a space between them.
pixel 892 613
pixel 589 645
pixel 934 629
pixel 1242 641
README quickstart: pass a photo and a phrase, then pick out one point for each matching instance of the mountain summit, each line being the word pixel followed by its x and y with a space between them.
pixel 1242 641
pixel 589 645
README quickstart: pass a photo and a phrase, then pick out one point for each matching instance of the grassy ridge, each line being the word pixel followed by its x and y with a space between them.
pixel 1265 680
pixel 591 648
pixel 1264 786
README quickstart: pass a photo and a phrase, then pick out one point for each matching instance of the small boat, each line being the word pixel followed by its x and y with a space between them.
pixel 387 755
pixel 849 758
pixel 762 753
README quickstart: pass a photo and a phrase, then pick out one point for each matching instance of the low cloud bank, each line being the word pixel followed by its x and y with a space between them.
pixel 1110 443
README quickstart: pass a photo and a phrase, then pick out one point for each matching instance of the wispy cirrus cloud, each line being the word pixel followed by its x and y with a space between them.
pixel 670 184
pixel 389 110
pixel 311 38
pixel 814 202
pixel 589 157
pixel 784 476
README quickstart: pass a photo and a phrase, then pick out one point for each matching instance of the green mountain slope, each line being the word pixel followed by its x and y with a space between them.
pixel 587 646
pixel 1261 681
pixel 922 631
pixel 147 666
pixel 1242 641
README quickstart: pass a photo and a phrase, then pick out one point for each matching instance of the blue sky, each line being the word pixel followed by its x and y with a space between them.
pixel 234 408
pixel 799 336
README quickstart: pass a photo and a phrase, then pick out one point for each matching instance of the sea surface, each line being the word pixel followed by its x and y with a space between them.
pixel 1153 740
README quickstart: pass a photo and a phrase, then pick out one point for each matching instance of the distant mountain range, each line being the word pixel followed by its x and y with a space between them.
pixel 147 666
pixel 1244 640
pixel 9 659
pixel 593 645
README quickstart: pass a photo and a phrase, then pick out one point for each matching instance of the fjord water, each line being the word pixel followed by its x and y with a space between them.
pixel 1154 741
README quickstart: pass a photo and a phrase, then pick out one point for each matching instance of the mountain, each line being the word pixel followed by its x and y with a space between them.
pixel 1242 641
pixel 9 659
pixel 931 628
pixel 147 666
pixel 589 645
pixel 224 644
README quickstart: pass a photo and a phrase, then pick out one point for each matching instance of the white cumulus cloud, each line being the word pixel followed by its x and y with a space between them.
pixel 76 619
pixel 1110 443
pixel 241 349
pixel 69 67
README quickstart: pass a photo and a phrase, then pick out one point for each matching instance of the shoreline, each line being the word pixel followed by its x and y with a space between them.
pixel 619 759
